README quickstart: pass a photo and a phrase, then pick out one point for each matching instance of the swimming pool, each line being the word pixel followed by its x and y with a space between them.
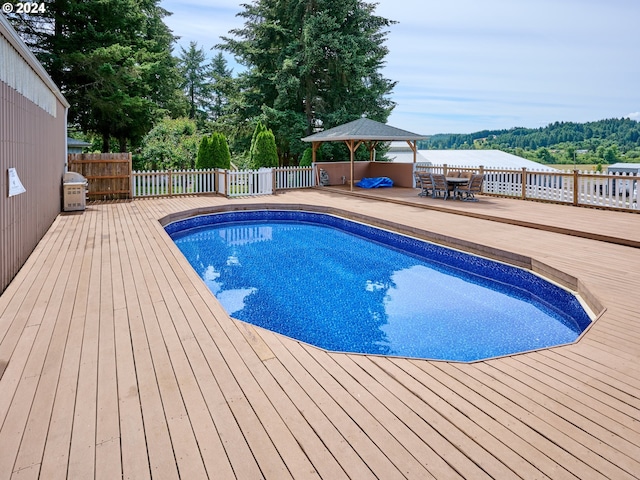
pixel 350 287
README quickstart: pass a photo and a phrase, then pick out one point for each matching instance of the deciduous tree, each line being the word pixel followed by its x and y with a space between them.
pixel 171 144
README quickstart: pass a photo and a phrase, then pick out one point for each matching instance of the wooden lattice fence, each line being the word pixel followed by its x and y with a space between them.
pixel 108 174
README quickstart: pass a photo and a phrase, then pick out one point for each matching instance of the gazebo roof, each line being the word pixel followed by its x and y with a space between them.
pixel 363 129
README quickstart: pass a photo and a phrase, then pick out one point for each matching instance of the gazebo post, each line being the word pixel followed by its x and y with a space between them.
pixel 414 149
pixel 351 157
pixel 314 149
pixel 351 144
pixel 371 146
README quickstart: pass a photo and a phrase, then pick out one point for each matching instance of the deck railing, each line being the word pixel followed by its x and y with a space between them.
pixel 606 190
pixel 293 177
pixel 249 183
pixel 177 182
pixel 231 183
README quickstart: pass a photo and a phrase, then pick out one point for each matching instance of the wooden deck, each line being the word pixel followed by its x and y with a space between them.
pixel 117 362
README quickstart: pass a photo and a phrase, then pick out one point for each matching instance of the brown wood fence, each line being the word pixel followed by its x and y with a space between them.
pixel 108 174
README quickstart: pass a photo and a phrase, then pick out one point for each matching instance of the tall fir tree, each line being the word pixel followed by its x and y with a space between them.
pixel 195 80
pixel 311 65
pixel 222 86
pixel 112 61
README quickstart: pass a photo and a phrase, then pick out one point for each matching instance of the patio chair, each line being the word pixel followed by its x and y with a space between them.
pixel 439 182
pixel 423 182
pixel 474 186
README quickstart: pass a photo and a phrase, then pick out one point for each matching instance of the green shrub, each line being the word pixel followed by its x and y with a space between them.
pixel 259 129
pixel 215 150
pixel 307 158
pixel 223 159
pixel 171 144
pixel 204 159
pixel 265 151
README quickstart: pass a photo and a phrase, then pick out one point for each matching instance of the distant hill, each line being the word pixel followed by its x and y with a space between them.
pixel 605 140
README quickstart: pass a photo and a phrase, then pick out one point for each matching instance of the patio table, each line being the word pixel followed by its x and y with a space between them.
pixel 456 182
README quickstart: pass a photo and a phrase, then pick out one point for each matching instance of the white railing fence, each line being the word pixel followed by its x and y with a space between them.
pixel 244 183
pixel 179 182
pixel 608 190
pixel 231 183
pixel 294 177
pixel 616 191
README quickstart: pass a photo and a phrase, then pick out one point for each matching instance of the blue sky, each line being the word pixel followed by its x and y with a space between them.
pixel 469 65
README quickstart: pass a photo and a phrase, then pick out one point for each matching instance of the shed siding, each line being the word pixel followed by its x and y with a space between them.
pixel 33 141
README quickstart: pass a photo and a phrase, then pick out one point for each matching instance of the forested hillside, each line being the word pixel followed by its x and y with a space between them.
pixel 605 141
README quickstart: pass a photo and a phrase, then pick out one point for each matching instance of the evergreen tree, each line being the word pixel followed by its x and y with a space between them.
pixel 222 154
pixel 307 158
pixel 112 61
pixel 256 131
pixel 195 80
pixel 215 150
pixel 266 153
pixel 311 65
pixel 204 159
pixel 221 86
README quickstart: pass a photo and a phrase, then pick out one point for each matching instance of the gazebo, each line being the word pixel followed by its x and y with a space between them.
pixel 363 131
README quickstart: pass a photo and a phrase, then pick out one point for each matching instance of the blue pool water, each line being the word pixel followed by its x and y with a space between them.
pixel 350 287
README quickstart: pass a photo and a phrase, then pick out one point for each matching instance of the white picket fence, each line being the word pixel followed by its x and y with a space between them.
pixel 615 190
pixel 157 183
pixel 231 183
pixel 249 183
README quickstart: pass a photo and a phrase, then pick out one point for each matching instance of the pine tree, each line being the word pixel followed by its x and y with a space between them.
pixel 112 61
pixel 195 80
pixel 221 87
pixel 311 65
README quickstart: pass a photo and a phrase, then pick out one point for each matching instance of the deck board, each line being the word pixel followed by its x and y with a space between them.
pixel 319 410
pixel 119 363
